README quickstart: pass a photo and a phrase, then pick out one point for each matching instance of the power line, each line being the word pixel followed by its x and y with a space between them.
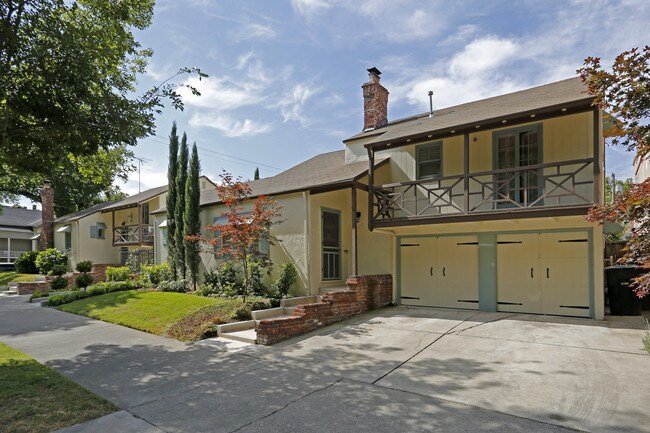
pixel 228 156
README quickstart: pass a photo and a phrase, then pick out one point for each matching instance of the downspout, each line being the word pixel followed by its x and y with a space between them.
pixel 78 251
pixel 305 195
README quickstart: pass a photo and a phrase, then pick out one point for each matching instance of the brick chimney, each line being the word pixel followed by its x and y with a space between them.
pixel 375 101
pixel 47 217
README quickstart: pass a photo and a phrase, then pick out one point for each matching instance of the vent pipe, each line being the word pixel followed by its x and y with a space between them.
pixel 430 103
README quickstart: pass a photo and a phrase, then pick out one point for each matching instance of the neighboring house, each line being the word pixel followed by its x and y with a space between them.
pixel 108 232
pixel 478 206
pixel 641 168
pixel 17 232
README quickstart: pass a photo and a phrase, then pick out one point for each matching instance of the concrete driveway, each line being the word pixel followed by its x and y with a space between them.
pixel 397 369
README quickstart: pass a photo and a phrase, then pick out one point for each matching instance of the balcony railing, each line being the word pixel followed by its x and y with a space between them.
pixel 133 234
pixel 9 256
pixel 550 185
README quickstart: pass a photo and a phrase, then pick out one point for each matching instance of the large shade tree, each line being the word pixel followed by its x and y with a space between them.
pixel 68 74
pixel 624 92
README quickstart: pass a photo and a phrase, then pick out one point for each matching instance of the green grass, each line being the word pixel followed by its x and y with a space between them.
pixel 9 277
pixel 157 312
pixel 37 399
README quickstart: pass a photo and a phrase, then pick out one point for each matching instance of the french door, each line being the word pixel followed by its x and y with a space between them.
pixel 518 148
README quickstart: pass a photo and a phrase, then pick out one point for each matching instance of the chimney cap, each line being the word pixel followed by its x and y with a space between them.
pixel 374 71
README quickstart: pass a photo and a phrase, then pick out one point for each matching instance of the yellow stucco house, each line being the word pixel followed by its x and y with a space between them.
pixel 477 206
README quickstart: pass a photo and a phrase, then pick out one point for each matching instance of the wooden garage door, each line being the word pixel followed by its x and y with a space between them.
pixel 545 273
pixel 440 272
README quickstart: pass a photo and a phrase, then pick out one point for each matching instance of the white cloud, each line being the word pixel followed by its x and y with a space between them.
pixel 308 7
pixel 293 102
pixel 229 126
pixel 220 93
pixel 482 55
pixel 254 31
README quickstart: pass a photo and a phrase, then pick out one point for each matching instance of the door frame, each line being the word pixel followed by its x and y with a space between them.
pixel 588 230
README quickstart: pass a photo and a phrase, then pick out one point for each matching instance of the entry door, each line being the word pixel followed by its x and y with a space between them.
pixel 565 273
pixel 518 288
pixel 457 272
pixel 417 277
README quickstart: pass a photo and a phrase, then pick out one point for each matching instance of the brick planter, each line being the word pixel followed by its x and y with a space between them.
pixel 364 292
pixel 98 273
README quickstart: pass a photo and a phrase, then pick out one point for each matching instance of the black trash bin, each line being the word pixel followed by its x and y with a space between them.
pixel 622 299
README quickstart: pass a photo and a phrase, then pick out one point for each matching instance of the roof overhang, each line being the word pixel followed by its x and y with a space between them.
pixel 63 229
pixel 36 236
pixel 574 107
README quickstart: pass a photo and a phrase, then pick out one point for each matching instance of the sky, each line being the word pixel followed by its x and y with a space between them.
pixel 285 76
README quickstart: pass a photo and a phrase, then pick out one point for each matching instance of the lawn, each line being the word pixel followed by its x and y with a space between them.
pixel 8 277
pixel 35 398
pixel 177 315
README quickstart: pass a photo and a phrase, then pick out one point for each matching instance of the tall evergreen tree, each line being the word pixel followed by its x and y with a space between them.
pixel 192 220
pixel 179 212
pixel 172 192
pixel 257 173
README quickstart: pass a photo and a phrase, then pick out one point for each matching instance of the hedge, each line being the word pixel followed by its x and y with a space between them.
pixel 94 290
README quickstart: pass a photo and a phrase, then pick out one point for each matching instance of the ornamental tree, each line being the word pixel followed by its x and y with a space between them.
pixel 179 210
pixel 172 188
pixel 624 92
pixel 239 237
pixel 192 220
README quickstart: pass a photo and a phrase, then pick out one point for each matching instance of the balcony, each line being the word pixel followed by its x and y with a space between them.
pixel 549 189
pixel 135 234
pixel 9 256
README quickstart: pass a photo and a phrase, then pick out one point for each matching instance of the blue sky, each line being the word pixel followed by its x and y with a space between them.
pixel 285 76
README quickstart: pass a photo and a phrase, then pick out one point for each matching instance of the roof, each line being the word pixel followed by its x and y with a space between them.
pixel 570 91
pixel 326 169
pixel 135 199
pixel 84 212
pixel 19 217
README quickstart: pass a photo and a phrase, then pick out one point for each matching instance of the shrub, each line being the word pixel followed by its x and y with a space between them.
pixel 222 281
pixel 242 313
pixel 179 286
pixel 287 278
pixel 259 305
pixel 94 290
pixel 38 294
pixel 58 270
pixel 646 337
pixel 83 281
pixel 84 266
pixel 121 273
pixel 255 278
pixel 59 283
pixel 47 259
pixel 155 274
pixel 26 263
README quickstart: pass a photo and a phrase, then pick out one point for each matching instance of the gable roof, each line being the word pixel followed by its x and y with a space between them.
pixel 19 217
pixel 84 212
pixel 570 92
pixel 135 199
pixel 324 170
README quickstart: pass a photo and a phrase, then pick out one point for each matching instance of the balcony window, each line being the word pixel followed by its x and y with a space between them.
pixel 429 160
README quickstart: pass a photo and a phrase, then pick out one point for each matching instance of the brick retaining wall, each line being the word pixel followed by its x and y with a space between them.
pixel 98 273
pixel 364 292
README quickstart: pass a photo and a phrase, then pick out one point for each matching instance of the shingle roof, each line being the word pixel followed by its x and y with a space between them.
pixel 84 212
pixel 536 98
pixel 136 199
pixel 19 217
pixel 326 169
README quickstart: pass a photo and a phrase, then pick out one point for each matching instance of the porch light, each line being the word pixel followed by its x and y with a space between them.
pixel 564 109
pixel 503 121
pixel 532 115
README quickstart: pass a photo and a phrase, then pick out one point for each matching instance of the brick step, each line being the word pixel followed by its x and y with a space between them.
pixel 324 290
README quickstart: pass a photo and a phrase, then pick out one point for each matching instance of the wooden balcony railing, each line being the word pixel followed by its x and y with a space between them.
pixel 133 234
pixel 550 185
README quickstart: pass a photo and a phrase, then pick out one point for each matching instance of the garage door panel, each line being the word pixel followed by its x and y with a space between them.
pixel 565 286
pixel 517 271
pixel 457 272
pixel 416 271
pixel 558 245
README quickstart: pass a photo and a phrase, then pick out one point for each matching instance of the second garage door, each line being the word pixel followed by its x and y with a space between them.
pixel 544 273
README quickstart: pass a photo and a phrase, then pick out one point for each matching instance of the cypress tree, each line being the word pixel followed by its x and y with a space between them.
pixel 257 173
pixel 172 167
pixel 192 220
pixel 179 212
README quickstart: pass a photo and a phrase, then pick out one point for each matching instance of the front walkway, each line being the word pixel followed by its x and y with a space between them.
pixel 396 369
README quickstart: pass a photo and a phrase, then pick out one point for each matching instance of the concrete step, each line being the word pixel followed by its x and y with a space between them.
pixel 235 327
pixel 272 313
pixel 245 336
pixel 39 279
pixel 12 284
pixel 301 300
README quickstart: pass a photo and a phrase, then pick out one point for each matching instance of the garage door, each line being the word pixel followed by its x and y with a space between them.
pixel 440 272
pixel 544 273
